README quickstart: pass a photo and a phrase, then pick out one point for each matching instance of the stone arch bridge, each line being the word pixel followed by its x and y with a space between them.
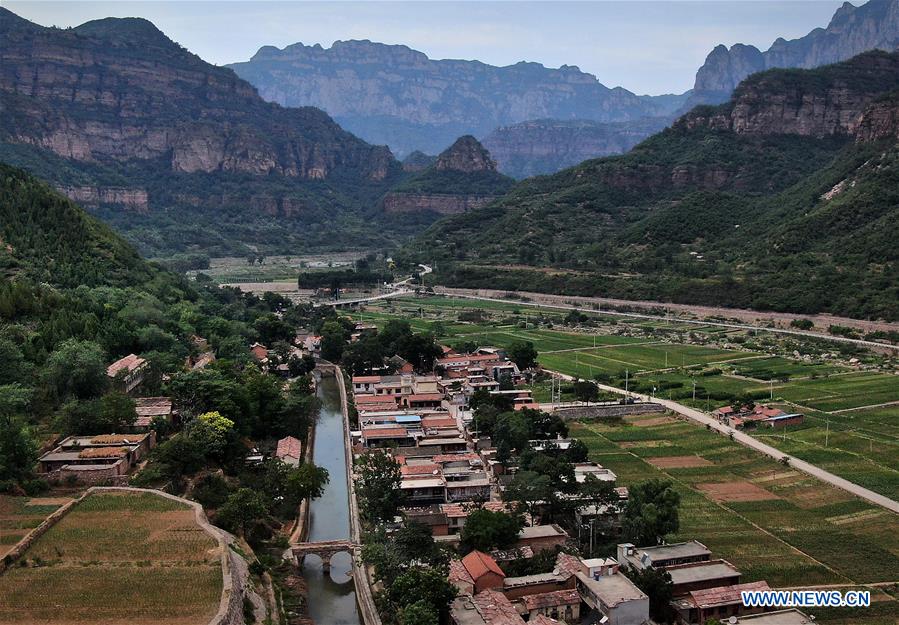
pixel 325 550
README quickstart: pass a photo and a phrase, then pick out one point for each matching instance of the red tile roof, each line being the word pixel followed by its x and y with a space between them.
pixel 289 447
pixel 551 599
pixel 479 564
pixel 422 469
pixel 425 397
pixel 496 609
pixel 542 619
pixel 441 458
pixel 458 573
pixel 385 432
pixel 724 595
pixel 568 564
pixel 129 363
pixel 366 379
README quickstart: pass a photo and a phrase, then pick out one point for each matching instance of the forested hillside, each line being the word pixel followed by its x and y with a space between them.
pixel 784 198
pixel 75 297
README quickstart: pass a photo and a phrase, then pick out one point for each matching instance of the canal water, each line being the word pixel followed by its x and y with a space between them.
pixel 332 598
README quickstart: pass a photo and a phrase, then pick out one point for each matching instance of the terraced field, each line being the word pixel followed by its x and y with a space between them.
pixel 772 522
pixel 137 558
pixel 19 515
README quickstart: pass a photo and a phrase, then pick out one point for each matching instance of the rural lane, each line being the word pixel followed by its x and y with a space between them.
pixel 768 450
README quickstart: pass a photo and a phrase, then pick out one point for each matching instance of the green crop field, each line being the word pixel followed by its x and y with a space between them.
pixel 790 529
pixel 775 367
pixel 137 558
pixel 840 392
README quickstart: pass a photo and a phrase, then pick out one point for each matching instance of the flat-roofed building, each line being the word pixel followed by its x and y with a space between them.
pixel 420 491
pixel 660 556
pixel 542 537
pixel 94 459
pixel 779 617
pixel 686 578
pixel 615 596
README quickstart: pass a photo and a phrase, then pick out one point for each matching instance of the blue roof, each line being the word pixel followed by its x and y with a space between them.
pixel 408 418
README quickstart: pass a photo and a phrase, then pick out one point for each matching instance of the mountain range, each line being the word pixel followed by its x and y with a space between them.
pixel 533 119
pixel 786 198
pixel 852 30
pixel 175 152
pixel 394 95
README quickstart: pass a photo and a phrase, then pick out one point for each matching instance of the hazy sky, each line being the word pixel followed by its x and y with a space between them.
pixel 645 46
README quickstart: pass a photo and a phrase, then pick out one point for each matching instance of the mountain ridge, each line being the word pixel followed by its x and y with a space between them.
pixel 851 31
pixel 156 140
pixel 784 198
pixel 433 101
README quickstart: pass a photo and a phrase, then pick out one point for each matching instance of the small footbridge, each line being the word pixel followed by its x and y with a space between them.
pixel 325 550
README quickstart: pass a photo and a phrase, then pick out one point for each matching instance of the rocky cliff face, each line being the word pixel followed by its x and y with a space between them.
pixel 119 90
pixel 396 95
pixel 852 30
pixel 546 146
pixel 466 155
pixel 115 114
pixel 829 101
pixel 463 177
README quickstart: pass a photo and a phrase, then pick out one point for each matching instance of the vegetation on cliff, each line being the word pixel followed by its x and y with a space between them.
pixel 701 213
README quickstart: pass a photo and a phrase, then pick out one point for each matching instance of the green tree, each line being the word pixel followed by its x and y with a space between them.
pixel 651 512
pixel 486 530
pixel 657 585
pixel 586 391
pixel 428 585
pixel 212 433
pixel 18 451
pixel 418 613
pixel 242 509
pixel 523 354
pixel 334 339
pixel 528 488
pixel 378 485
pixel 76 369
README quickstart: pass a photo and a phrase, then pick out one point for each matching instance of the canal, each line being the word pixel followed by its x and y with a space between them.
pixel 332 598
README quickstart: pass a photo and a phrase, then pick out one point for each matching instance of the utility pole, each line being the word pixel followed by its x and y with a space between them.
pixel 771 385
pixel 626 394
pixel 827 433
pixel 694 389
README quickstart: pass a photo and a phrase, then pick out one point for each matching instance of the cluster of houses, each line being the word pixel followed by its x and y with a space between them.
pixel 756 415
pixel 448 470
pixel 109 458
pixel 704 589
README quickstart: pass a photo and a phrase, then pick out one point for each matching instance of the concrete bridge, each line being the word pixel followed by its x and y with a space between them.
pixel 325 550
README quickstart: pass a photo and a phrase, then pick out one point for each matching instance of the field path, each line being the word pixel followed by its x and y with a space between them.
pixel 730 510
pixel 768 450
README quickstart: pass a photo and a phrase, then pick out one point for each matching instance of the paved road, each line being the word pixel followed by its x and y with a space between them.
pixel 768 450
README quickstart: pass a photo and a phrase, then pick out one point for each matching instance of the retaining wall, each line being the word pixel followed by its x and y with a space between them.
pixel 606 412
pixel 234 569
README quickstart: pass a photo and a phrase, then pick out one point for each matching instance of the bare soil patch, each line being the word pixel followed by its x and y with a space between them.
pixel 735 491
pixel 678 462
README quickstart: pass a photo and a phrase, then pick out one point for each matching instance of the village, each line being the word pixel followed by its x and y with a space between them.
pixel 470 443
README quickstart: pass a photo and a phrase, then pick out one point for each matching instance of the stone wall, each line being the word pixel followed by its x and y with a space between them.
pixel 235 571
pixel 608 411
